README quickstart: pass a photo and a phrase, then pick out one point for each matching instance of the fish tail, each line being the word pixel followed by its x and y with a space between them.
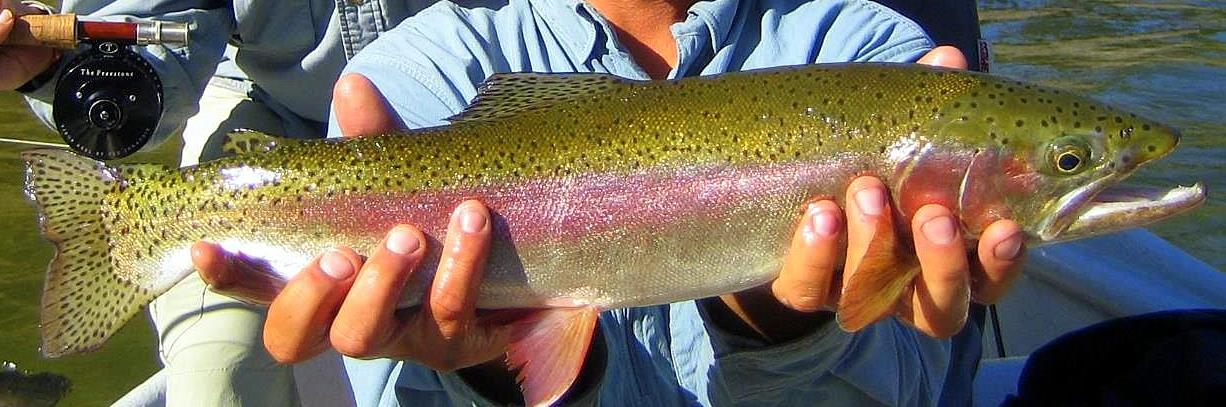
pixel 85 299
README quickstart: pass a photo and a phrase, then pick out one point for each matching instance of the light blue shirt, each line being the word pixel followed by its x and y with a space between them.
pixel 429 67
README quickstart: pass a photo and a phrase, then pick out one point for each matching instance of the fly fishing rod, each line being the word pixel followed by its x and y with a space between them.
pixel 108 99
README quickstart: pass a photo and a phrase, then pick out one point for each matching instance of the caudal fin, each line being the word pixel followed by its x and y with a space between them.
pixel 85 300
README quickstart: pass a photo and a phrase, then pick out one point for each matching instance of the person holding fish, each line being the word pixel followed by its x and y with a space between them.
pixel 743 332
pixel 773 344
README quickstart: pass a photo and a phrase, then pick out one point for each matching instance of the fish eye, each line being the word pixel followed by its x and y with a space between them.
pixel 1069 159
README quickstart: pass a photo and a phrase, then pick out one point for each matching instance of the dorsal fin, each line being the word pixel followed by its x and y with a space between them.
pixel 507 94
pixel 244 141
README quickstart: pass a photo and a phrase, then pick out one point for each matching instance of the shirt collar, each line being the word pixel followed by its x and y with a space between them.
pixel 717 16
pixel 579 35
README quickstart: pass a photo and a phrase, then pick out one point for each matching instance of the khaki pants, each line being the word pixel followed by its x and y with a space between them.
pixel 212 345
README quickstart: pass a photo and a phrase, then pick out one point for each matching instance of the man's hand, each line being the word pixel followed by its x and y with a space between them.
pixel 347 302
pixel 19 64
pixel 810 280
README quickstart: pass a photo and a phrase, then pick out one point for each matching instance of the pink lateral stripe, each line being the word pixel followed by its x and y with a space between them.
pixel 584 205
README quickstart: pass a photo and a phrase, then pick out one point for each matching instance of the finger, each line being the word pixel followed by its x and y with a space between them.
pixel 7 20
pixel 1000 254
pixel 299 318
pixel 942 293
pixel 867 208
pixel 361 109
pixel 366 320
pixel 453 295
pixel 235 274
pixel 804 283
pixel 212 263
pixel 945 56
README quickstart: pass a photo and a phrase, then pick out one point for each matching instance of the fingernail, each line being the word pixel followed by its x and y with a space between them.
pixel 822 222
pixel 335 265
pixel 6 16
pixel 939 230
pixel 871 201
pixel 471 219
pixel 401 241
pixel 1010 248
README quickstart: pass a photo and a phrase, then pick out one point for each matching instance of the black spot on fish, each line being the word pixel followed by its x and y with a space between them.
pixel 1020 123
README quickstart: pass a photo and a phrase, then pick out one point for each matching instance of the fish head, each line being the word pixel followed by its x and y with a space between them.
pixel 1054 162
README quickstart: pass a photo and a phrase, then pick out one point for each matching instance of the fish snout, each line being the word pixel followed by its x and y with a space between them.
pixel 1143 143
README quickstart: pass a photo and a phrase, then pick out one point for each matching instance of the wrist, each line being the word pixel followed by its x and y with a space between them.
pixel 492 380
pixel 756 314
pixel 41 79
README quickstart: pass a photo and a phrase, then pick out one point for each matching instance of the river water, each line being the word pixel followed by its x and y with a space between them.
pixel 1164 59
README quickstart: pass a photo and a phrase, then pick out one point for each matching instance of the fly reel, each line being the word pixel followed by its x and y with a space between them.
pixel 108 99
pixel 107 102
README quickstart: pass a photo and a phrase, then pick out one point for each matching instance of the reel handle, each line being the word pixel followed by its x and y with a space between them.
pixel 64 31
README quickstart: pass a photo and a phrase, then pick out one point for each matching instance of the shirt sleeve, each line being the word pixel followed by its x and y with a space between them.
pixel 433 79
pixel 865 31
pixel 183 70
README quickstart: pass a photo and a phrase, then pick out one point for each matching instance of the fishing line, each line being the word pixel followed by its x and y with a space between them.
pixel 32 142
pixel 1000 341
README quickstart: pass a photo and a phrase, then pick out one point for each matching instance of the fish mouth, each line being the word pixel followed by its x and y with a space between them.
pixel 1105 206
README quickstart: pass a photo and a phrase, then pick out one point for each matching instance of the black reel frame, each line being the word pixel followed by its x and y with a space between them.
pixel 108 101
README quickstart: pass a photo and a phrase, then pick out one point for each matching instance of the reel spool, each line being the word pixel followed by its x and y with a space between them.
pixel 108 102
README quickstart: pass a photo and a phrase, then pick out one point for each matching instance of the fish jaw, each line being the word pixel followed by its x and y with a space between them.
pixel 1121 207
pixel 1104 205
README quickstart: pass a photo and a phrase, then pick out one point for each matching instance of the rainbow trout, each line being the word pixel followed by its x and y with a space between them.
pixel 609 192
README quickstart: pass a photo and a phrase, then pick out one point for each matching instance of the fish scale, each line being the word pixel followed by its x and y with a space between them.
pixel 606 192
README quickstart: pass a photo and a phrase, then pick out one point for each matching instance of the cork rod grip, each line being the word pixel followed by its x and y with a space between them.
pixel 40 30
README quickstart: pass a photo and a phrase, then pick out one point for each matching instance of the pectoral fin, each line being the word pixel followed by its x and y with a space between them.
pixel 882 275
pixel 548 349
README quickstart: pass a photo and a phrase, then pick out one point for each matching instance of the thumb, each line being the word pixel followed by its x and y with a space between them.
pixel 7 21
pixel 945 56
